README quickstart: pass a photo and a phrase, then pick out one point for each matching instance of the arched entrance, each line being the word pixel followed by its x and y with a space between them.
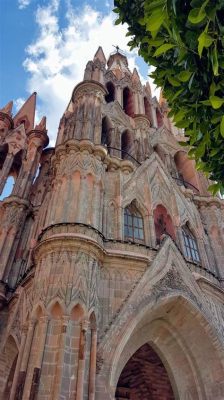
pixel 144 377
pixel 179 334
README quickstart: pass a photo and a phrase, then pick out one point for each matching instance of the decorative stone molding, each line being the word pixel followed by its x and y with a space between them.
pixel 89 88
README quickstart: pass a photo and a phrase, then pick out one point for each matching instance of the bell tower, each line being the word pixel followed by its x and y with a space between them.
pixel 110 251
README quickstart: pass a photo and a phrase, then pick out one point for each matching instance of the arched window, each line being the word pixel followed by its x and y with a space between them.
pixel 126 144
pixel 106 132
pixel 111 92
pixel 190 245
pixel 163 223
pixel 128 102
pixel 133 224
pixel 8 188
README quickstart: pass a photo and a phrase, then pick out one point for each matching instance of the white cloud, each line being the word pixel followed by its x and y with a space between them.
pixel 57 58
pixel 23 4
pixel 18 104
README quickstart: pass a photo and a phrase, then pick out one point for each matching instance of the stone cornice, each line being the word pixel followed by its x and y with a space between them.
pixel 208 201
pixel 73 237
pixel 15 200
pixel 88 86
pixel 209 288
pixel 97 150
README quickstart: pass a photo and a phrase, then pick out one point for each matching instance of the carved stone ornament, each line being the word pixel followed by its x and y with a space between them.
pixel 16 139
pixel 89 88
pixel 75 278
pixel 84 163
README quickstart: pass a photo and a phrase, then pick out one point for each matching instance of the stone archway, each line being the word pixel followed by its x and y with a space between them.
pixel 144 377
pixel 184 341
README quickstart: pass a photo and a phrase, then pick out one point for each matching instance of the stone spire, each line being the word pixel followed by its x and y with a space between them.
pixel 7 109
pixel 26 114
pixel 100 55
pixel 42 125
pixel 118 64
pixel 135 76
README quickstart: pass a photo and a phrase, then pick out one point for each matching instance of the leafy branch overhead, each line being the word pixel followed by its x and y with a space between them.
pixel 184 40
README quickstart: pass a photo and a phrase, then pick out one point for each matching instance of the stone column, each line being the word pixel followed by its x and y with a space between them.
pixel 80 216
pixel 60 357
pixel 24 361
pixel 135 94
pixel 5 170
pixel 141 104
pixel 38 363
pixel 202 253
pixel 96 210
pixel 180 240
pixel 18 364
pixel 154 117
pixel 92 369
pixel 119 95
pixel 87 98
pixel 37 141
pixel 152 230
pixel 13 219
pixel 81 360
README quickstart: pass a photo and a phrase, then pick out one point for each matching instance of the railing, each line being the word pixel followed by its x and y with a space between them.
pixel 182 182
pixel 130 157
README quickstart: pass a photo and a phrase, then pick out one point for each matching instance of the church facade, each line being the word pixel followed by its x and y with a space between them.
pixel 111 251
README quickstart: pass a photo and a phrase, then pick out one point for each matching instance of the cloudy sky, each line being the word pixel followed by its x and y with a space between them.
pixel 45 45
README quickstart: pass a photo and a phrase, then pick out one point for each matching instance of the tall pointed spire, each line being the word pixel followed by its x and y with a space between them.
pixel 42 124
pixel 26 114
pixel 100 55
pixel 135 76
pixel 7 109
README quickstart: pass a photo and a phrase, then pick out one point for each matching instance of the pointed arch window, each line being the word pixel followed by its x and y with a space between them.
pixel 190 245
pixel 128 102
pixel 8 187
pixel 111 92
pixel 133 224
pixel 126 144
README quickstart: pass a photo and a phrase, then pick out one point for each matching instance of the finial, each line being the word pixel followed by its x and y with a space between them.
pixel 42 125
pixel 119 50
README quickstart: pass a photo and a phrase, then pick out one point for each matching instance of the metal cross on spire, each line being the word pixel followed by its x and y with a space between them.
pixel 118 49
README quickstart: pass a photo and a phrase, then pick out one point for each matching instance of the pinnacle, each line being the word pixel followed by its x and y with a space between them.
pixel 8 108
pixel 100 55
pixel 42 124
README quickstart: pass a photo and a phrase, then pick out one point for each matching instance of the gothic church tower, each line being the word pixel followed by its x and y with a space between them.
pixel 111 251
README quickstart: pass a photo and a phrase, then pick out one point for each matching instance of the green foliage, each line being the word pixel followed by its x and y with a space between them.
pixel 184 40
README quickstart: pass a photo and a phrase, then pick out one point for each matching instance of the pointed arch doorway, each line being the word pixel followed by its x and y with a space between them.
pixel 144 377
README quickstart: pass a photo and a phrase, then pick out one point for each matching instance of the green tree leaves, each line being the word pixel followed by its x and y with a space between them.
pixel 163 49
pixel 204 40
pixel 184 40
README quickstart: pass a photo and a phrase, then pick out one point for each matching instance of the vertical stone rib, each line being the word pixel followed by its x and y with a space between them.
pixel 5 170
pixel 81 361
pixel 25 360
pixel 18 365
pixel 92 369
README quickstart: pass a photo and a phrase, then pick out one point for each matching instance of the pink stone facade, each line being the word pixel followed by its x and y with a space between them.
pixel 111 251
